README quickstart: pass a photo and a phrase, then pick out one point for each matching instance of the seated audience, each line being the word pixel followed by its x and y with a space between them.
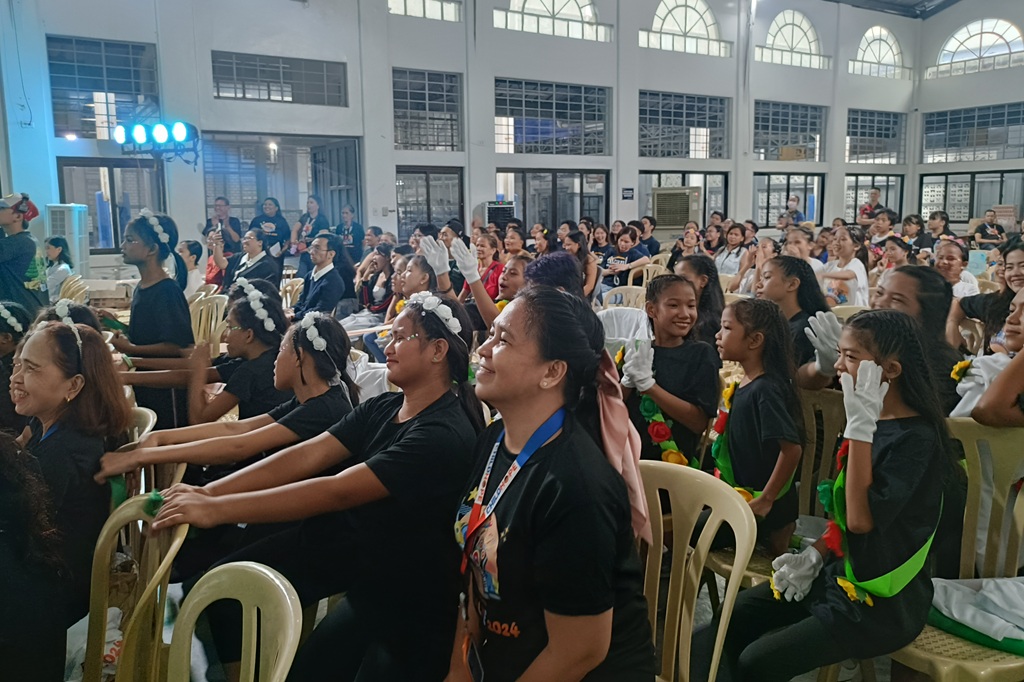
pixel 700 271
pixel 323 286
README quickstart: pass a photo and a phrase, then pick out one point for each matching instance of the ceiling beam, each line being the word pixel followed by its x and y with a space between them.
pixel 920 10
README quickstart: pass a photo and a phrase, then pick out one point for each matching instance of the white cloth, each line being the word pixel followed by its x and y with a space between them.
pixel 196 279
pixel 55 276
pixel 991 606
pixel 967 286
pixel 728 262
pixel 371 378
pixel 247 262
pixel 981 375
pixel 317 274
pixel 624 326
pixel 855 291
pixel 816 265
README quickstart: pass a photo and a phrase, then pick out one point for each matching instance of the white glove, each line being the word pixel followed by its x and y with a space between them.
pixel 465 258
pixel 824 334
pixel 863 401
pixel 794 573
pixel 436 255
pixel 639 367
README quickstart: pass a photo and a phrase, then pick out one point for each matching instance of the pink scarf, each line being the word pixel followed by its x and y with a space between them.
pixel 622 442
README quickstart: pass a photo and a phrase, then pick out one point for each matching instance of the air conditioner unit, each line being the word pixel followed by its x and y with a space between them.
pixel 676 206
pixel 71 221
pixel 500 212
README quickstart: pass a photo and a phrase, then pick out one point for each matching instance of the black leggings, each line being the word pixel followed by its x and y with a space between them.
pixel 768 641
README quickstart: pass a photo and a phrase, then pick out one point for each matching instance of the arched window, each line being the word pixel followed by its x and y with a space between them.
pixel 792 41
pixel 685 26
pixel 562 18
pixel 980 39
pixel 879 54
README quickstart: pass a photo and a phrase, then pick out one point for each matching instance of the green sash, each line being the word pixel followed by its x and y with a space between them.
pixel 723 462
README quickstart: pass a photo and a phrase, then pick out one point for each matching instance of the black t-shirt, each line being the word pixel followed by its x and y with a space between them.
pixel 707 328
pixel 402 545
pixel 309 229
pixel 230 245
pixel 801 344
pixel 265 268
pixel 560 540
pixel 281 233
pixel 689 372
pixel 907 475
pixel 226 366
pixel 986 231
pixel 314 416
pixel 652 245
pixel 160 315
pixel 68 460
pixel 253 384
pixel 758 423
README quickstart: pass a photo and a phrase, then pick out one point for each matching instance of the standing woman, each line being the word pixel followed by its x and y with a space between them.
pixel 576 244
pixel 160 324
pixel 351 233
pixel 515 242
pixel 730 257
pixel 600 242
pixel 66 383
pixel 489 267
pixel 404 459
pixel 553 584
pixel 310 224
pixel 59 266
pixel 274 226
pixel 252 263
pixel 846 276
pixel 701 273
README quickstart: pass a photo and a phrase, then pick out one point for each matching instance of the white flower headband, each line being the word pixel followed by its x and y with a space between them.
pixel 10 319
pixel 432 304
pixel 313 334
pixel 63 310
pixel 155 224
pixel 253 296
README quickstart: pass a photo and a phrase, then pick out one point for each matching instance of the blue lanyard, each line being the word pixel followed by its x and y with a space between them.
pixel 49 432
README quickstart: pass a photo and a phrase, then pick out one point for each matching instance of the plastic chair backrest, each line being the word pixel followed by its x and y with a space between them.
pixel 208 289
pixel 987 286
pixel 144 609
pixel 76 293
pixel 725 281
pixel 845 312
pixel 258 588
pixel 822 408
pixel 689 492
pixel 632 297
pixel 647 273
pixel 70 282
pixel 194 297
pixel 732 298
pixel 973 333
pixel 1005 458
pixel 207 313
pixel 662 259
pixel 623 325
pixel 143 421
pixel 291 289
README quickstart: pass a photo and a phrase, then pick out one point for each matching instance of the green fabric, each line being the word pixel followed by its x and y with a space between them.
pixel 118 491
pixel 153 503
pixel 943 622
pixel 723 462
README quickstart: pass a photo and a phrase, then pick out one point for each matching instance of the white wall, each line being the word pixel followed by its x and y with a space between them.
pixel 372 42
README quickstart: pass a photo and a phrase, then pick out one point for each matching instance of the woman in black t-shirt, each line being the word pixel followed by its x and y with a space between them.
pixel 65 381
pixel 554 581
pixel 700 271
pixel 310 224
pixel 274 225
pixel 14 323
pixel 675 377
pixel 790 283
pixel 893 467
pixel 378 530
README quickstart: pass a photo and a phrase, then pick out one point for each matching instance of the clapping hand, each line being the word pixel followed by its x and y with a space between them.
pixel 863 401
pixel 466 258
pixel 823 333
pixel 436 255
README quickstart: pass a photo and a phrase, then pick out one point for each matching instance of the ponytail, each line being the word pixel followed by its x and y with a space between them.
pixel 180 270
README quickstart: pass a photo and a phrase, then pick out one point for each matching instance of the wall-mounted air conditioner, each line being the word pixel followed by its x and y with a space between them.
pixel 71 221
pixel 676 206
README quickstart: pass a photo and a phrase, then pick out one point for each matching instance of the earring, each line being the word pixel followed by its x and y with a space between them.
pixel 437 359
pixel 543 384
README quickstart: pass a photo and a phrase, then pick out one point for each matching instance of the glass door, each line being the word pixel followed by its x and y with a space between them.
pixel 549 197
pixel 428 195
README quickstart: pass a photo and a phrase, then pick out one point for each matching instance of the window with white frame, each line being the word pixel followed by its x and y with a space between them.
pixel 981 45
pixel 428 110
pixel 685 26
pixel 535 117
pixel 683 126
pixel 562 18
pixel 784 131
pixel 441 10
pixel 879 55
pixel 987 133
pixel 876 137
pixel 792 41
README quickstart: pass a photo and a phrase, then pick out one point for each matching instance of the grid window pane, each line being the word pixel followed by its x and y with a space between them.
pixel 441 10
pixel 267 78
pixel 536 117
pixel 875 137
pixel 858 193
pixel 789 132
pixel 772 192
pixel 968 195
pixel 428 110
pixel 985 133
pixel 683 126
pixel 96 84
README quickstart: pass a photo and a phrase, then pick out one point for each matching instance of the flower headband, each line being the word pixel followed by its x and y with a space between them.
pixel 155 224
pixel 313 334
pixel 432 304
pixel 63 310
pixel 254 298
pixel 10 319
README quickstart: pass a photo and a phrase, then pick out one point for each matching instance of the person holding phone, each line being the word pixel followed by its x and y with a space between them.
pixel 225 224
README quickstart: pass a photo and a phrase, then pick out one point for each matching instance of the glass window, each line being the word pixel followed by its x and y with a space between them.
pixel 981 38
pixel 97 84
pixel 987 133
pixel 534 117
pixel 876 137
pixel 279 79
pixel 858 190
pixel 115 190
pixel 792 41
pixel 428 110
pixel 563 18
pixel 715 186
pixel 549 197
pixel 441 10
pixel 789 132
pixel 968 195
pixel 879 54
pixel 427 195
pixel 683 126
pixel 772 192
pixel 685 26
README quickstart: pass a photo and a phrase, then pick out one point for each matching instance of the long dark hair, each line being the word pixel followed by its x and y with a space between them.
pixel 934 298
pixel 422 263
pixel 25 494
pixel 458 351
pixel 583 253
pixel 657 287
pixel 712 298
pixel 551 239
pixel 331 364
pixel 997 306
pixel 808 294
pixel 248 318
pixel 757 315
pixel 165 250
pixel 893 334
pixel 78 312
pixel 857 236
pixel 566 328
pixel 20 315
pixel 65 250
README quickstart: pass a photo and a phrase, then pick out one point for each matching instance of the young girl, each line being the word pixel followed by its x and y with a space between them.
pixel 993 308
pixel 191 253
pixel 676 378
pixel 58 265
pixel 759 446
pixel 65 382
pixel 897 252
pixel 601 245
pixel 553 585
pixel 254 262
pixel 700 271
pixel 846 275
pixel 913 230
pixel 790 283
pixel 713 241
pixel 687 245
pixel 404 460
pixel 894 462
pixel 617 264
pixel 576 244
pixel 951 258
pixel 488 266
pixel 799 243
pixel 14 324
pixel 823 244
pixel 745 281
pixel 160 324
pixel 729 258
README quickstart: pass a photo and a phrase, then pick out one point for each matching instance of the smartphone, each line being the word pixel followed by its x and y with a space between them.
pixel 114 325
pixel 476 666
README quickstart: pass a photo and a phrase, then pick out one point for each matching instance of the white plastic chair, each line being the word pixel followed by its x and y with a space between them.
pixel 623 326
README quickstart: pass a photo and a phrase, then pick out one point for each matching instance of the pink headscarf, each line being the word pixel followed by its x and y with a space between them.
pixel 621 442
